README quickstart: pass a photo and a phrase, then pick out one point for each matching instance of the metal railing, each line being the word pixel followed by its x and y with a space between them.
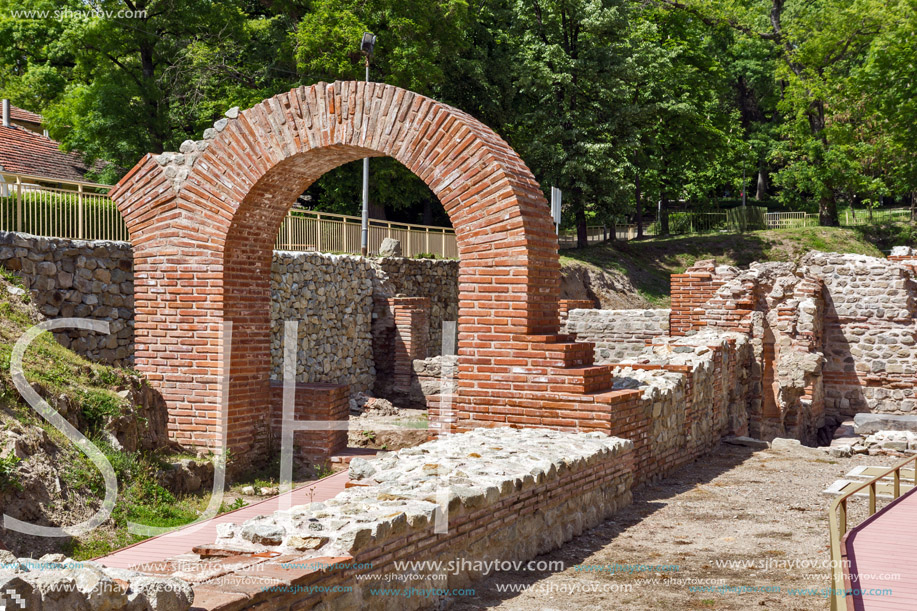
pixel 59 209
pixel 788 220
pixel 837 526
pixel 864 217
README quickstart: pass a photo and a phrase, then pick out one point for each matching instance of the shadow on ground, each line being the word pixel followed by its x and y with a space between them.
pixel 648 499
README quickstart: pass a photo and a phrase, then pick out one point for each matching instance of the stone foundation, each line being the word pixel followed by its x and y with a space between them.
pixel 512 494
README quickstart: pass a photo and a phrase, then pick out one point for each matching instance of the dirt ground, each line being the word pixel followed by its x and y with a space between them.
pixel 734 520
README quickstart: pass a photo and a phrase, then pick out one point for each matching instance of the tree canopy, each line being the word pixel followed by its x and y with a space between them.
pixel 626 106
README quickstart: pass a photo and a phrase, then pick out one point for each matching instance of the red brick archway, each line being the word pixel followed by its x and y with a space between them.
pixel 203 238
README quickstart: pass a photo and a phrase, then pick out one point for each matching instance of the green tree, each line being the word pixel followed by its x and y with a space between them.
pixel 115 86
pixel 569 64
pixel 412 40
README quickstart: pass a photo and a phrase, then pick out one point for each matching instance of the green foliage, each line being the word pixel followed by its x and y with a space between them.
pixel 623 105
pixel 98 406
pixel 9 473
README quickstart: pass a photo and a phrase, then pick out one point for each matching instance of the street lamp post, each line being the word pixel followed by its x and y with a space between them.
pixel 366 47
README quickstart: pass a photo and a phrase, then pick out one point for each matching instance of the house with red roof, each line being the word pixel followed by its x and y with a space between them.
pixel 25 148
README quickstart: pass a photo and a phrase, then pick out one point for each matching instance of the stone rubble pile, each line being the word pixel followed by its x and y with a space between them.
pixel 57 583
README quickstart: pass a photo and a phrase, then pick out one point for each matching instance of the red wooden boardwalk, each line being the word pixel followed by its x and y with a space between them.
pixel 162 547
pixel 883 546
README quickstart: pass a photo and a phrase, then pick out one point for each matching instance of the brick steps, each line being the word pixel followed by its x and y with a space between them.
pixel 557 364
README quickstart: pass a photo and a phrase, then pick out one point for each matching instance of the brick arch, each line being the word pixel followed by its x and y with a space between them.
pixel 203 224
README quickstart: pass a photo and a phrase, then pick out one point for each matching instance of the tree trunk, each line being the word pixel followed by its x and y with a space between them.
pixel 427 212
pixel 376 211
pixel 761 191
pixel 913 203
pixel 638 207
pixel 827 210
pixel 579 207
pixel 582 237
pixel 663 216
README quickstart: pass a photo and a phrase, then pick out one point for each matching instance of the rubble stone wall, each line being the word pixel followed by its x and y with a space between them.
pixel 834 335
pixel 78 279
pixel 617 334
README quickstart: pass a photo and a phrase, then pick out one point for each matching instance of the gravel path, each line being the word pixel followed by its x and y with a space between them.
pixel 763 509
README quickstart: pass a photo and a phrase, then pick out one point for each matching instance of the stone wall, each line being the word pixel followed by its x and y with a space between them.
pixel 694 390
pixel 697 391
pixel 834 335
pixel 331 296
pixel 870 333
pixel 435 279
pixel 78 279
pixel 617 334
pixel 345 324
pixel 511 495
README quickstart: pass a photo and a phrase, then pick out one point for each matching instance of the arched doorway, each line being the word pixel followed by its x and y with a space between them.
pixel 203 224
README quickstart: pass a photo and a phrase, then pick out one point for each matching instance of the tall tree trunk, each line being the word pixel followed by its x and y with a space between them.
pixel 663 214
pixel 761 191
pixel 427 212
pixel 376 211
pixel 582 237
pixel 913 204
pixel 638 207
pixel 827 210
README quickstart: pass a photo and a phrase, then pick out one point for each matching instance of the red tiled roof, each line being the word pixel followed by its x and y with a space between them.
pixel 21 114
pixel 25 152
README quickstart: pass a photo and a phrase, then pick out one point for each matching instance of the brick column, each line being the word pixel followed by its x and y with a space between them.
pixel 565 305
pixel 690 291
pixel 313 401
pixel 412 333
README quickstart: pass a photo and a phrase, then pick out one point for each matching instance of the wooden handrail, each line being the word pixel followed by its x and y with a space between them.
pixel 58 181
pixel 837 527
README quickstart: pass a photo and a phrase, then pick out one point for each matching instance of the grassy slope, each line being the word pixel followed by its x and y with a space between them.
pixel 648 263
pixel 92 388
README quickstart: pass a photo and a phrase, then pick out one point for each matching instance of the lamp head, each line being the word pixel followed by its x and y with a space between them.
pixel 367 44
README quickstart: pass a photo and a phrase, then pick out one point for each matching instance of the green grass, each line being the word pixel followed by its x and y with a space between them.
pixel 649 263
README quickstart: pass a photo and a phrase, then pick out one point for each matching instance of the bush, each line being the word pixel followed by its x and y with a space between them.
pixel 9 473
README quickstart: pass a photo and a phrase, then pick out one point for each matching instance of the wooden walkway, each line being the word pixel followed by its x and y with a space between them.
pixel 162 547
pixel 884 545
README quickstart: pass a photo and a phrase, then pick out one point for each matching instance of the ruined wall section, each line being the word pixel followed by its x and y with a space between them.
pixel 617 334
pixel 869 333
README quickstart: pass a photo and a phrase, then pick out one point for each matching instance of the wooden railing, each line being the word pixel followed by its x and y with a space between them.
pixel 83 211
pixel 323 231
pixel 59 209
pixel 837 527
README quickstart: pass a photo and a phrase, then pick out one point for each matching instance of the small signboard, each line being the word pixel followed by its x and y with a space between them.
pixel 556 197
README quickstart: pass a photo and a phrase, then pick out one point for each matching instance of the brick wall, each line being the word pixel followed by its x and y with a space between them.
pixel 689 292
pixel 203 222
pixel 311 402
pixel 512 516
pixel 412 325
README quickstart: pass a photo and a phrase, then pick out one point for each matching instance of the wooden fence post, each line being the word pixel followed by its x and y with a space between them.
pixel 79 211
pixel 18 204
